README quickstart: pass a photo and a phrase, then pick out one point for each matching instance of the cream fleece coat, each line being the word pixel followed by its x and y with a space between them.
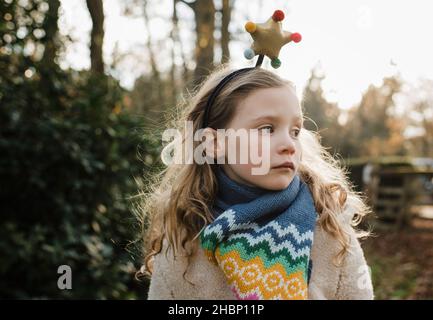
pixel 351 280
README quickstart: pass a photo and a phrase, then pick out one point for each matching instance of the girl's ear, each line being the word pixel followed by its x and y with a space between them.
pixel 213 147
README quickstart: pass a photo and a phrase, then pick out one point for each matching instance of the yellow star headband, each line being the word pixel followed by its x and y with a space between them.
pixel 269 38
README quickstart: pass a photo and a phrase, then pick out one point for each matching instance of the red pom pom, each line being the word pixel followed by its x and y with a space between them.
pixel 296 37
pixel 278 15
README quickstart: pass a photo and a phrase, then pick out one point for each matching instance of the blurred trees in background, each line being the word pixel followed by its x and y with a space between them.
pixel 155 93
pixel 321 115
pixel 372 128
pixel 69 154
pixel 72 142
pixel 204 14
pixel 420 118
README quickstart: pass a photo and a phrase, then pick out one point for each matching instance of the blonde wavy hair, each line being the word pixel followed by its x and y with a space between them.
pixel 176 207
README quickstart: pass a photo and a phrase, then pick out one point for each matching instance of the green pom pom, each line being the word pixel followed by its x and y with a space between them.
pixel 275 63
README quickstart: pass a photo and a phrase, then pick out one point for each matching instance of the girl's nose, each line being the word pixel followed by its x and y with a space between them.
pixel 286 144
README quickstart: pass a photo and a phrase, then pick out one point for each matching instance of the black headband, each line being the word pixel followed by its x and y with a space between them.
pixel 221 85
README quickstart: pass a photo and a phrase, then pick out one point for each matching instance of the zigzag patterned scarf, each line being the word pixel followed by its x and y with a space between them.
pixel 262 239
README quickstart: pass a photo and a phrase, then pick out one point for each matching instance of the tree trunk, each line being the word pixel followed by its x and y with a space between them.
pixel 174 38
pixel 205 25
pixel 158 96
pixel 96 11
pixel 177 43
pixel 50 27
pixel 225 34
pixel 155 71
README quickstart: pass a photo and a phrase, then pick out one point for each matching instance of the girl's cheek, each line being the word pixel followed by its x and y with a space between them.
pixel 237 151
pixel 299 150
pixel 260 145
pixel 249 152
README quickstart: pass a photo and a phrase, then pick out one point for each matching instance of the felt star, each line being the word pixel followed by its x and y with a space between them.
pixel 269 38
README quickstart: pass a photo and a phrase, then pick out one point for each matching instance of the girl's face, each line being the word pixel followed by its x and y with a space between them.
pixel 275 112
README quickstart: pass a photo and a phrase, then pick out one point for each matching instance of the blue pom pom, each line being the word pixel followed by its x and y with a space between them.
pixel 249 53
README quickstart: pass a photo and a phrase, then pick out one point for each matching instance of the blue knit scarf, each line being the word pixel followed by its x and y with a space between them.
pixel 262 239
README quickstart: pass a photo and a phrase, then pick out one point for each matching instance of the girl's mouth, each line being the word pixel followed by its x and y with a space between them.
pixel 285 165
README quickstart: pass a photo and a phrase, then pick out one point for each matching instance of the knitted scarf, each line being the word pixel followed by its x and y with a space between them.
pixel 262 239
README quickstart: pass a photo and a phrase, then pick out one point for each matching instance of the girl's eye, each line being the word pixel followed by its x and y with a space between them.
pixel 266 129
pixel 296 132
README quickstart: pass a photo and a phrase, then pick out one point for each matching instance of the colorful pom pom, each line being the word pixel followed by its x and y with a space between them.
pixel 278 15
pixel 276 63
pixel 296 37
pixel 249 53
pixel 250 27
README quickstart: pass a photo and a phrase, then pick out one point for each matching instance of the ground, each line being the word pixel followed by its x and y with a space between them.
pixel 402 260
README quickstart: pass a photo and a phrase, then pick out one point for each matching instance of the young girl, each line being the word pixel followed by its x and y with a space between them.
pixel 217 231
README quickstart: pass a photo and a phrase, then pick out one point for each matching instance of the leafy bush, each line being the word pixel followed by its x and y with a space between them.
pixel 68 160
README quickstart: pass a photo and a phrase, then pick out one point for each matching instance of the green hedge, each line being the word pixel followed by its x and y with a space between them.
pixel 68 158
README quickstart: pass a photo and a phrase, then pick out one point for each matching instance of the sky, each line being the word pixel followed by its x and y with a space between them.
pixel 354 43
